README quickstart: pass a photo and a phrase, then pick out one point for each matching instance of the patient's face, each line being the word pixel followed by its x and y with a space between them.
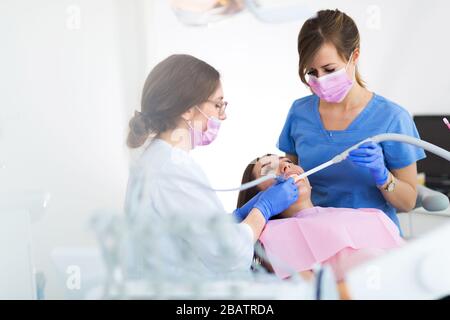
pixel 284 167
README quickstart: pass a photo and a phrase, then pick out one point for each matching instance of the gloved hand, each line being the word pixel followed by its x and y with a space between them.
pixel 242 212
pixel 277 198
pixel 370 155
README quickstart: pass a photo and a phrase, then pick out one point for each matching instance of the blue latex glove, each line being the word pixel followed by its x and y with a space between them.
pixel 242 212
pixel 277 198
pixel 370 155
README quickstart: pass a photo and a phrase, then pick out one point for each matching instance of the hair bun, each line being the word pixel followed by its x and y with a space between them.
pixel 138 124
pixel 139 131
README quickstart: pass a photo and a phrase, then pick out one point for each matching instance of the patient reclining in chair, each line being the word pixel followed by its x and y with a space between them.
pixel 304 234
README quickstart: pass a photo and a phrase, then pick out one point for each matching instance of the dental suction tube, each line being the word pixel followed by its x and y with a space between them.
pixel 405 139
pixel 250 184
pixel 342 156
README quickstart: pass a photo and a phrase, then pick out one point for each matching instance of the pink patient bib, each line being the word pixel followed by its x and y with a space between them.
pixel 317 234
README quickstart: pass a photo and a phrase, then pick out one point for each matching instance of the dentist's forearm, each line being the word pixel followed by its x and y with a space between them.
pixel 256 221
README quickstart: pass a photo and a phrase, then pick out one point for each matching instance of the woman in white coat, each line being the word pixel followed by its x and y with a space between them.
pixel 182 107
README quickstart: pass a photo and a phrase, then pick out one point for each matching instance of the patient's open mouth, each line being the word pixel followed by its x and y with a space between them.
pixel 294 173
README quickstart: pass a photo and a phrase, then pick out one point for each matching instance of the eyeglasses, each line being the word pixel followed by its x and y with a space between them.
pixel 221 106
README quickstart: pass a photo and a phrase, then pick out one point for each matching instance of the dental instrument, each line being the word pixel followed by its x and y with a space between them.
pixel 446 122
pixel 380 138
pixel 343 155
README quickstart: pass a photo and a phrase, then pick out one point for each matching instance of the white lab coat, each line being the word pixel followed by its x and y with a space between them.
pixel 194 233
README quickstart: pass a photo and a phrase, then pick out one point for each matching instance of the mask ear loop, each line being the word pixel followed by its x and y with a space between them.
pixel 188 122
pixel 202 112
pixel 349 60
pixel 212 118
pixel 345 68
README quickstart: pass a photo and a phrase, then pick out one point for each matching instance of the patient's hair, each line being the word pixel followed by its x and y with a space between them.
pixel 331 26
pixel 246 195
pixel 173 86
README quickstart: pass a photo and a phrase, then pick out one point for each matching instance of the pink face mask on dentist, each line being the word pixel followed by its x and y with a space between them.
pixel 332 87
pixel 203 138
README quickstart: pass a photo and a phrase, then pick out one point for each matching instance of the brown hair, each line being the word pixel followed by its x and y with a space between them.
pixel 331 26
pixel 243 198
pixel 246 195
pixel 173 86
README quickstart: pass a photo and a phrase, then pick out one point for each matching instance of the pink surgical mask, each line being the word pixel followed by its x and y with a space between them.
pixel 332 87
pixel 203 138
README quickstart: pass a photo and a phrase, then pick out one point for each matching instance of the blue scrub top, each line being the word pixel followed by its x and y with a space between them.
pixel 346 185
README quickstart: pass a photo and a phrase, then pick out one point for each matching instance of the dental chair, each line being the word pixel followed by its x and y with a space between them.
pixel 430 211
pixel 431 200
pixel 428 199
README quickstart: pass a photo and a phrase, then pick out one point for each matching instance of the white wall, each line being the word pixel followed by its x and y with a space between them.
pixel 72 73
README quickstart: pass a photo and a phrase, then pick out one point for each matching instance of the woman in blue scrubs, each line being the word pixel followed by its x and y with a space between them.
pixel 342 112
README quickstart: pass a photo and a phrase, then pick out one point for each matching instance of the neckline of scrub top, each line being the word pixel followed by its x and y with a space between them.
pixel 359 118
